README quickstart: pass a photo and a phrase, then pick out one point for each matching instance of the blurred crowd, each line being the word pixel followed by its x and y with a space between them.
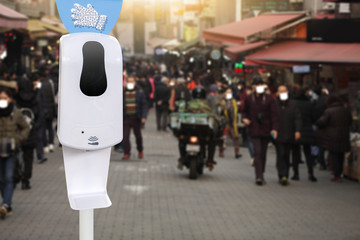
pixel 28 107
pixel 300 121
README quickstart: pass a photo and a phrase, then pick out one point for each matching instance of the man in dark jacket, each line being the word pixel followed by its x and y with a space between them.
pixel 162 96
pixel 306 108
pixel 48 92
pixel 260 116
pixel 135 113
pixel 319 110
pixel 27 102
pixel 289 132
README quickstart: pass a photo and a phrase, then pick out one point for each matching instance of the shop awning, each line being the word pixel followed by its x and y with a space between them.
pixel 239 32
pixel 156 42
pixel 234 51
pixel 300 52
pixel 171 44
pixel 38 28
pixel 186 45
pixel 11 19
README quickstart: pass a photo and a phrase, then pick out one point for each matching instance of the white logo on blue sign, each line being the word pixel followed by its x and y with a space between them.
pixel 89 15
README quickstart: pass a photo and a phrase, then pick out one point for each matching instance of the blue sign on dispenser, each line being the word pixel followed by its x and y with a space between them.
pixel 98 16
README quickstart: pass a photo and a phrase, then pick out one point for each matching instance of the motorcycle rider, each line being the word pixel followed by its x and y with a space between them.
pixel 199 105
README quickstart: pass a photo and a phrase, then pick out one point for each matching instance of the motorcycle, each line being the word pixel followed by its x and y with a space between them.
pixel 195 133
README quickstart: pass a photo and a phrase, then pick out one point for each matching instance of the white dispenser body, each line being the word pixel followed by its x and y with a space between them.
pixel 89 122
pixel 90 119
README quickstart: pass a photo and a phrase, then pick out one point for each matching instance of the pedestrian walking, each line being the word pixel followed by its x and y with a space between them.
pixel 162 96
pixel 319 109
pixel 241 92
pixel 289 132
pixel 230 111
pixel 145 85
pixel 48 92
pixel 36 81
pixel 135 113
pixel 13 131
pixel 334 133
pixel 260 116
pixel 306 108
pixel 27 102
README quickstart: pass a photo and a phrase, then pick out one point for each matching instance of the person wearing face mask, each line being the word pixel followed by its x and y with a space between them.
pixel 135 113
pixel 13 131
pixel 230 111
pixel 241 93
pixel 35 79
pixel 260 117
pixel 289 132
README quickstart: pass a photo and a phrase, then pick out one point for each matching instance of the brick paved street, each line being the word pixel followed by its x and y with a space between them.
pixel 153 200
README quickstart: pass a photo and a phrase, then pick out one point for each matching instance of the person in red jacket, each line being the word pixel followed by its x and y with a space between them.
pixel 191 82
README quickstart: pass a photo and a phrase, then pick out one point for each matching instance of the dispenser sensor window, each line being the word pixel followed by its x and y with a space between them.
pixel 93 80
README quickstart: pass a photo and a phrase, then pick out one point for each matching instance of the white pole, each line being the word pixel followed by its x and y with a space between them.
pixel 86 224
pixel 238 10
pixel 315 7
pixel 52 7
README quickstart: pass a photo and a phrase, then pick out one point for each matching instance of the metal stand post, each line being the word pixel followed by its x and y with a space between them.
pixel 86 224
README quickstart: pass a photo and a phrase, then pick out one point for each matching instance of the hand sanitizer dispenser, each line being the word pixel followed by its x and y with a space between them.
pixel 90 99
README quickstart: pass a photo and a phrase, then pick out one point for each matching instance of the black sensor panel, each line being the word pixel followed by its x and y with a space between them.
pixel 93 80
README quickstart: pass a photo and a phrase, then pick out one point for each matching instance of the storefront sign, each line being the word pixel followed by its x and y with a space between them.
pixel 301 69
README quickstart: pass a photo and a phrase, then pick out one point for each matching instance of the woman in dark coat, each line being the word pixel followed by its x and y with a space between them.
pixel 306 108
pixel 334 133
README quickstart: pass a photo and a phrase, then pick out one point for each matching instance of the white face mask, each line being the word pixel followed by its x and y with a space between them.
pixel 172 84
pixel 284 96
pixel 228 96
pixel 4 104
pixel 260 89
pixel 38 85
pixel 239 87
pixel 130 86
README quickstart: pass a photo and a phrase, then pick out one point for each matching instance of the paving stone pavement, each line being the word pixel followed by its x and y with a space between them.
pixel 153 200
